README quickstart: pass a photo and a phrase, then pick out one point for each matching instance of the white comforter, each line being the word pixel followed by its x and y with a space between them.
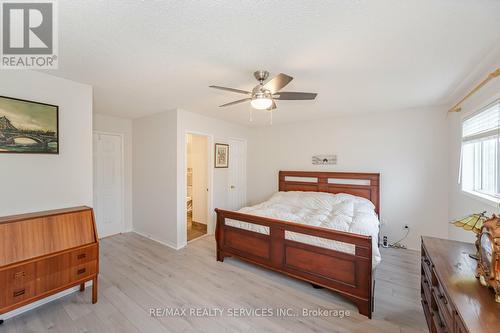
pixel 342 212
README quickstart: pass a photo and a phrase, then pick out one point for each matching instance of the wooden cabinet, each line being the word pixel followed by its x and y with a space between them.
pixel 44 253
pixel 452 298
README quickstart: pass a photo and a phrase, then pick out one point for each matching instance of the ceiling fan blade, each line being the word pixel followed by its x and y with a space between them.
pixel 278 82
pixel 232 90
pixel 294 96
pixel 273 106
pixel 236 102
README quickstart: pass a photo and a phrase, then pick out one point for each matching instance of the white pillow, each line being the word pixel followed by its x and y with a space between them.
pixel 358 200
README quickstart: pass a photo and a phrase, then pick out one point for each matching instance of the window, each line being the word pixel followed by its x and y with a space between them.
pixel 481 153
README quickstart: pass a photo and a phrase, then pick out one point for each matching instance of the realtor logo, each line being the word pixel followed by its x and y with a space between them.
pixel 29 34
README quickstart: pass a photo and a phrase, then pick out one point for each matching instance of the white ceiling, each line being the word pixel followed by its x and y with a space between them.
pixel 147 56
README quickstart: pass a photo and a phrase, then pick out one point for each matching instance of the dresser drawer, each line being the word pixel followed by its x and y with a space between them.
pixel 3 292
pixel 20 275
pixel 52 273
pixel 83 255
pixel 83 270
pixel 444 306
pixel 18 294
pixel 427 266
pixel 18 284
pixel 438 323
pixel 426 291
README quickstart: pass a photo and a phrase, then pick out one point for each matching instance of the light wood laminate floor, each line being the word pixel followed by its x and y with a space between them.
pixel 138 274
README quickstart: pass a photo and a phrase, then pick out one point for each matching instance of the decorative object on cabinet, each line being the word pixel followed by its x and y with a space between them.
pixel 28 127
pixel 45 253
pixel 452 298
pixel 221 155
pixel 472 223
pixel 488 248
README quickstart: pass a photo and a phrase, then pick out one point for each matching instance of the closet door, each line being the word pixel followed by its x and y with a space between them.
pixel 108 183
pixel 237 179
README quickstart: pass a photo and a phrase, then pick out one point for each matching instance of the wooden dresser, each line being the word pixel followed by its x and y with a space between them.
pixel 45 253
pixel 452 298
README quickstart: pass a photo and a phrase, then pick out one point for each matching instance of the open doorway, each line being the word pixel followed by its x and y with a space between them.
pixel 197 179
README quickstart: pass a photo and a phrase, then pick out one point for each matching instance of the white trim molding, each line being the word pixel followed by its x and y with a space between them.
pixel 172 246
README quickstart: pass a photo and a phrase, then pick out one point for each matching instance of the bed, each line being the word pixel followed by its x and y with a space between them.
pixel 321 227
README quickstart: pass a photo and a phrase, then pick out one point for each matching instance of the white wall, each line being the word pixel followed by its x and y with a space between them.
pixel 463 204
pixel 40 182
pixel 154 180
pixel 116 125
pixel 408 148
pixel 218 131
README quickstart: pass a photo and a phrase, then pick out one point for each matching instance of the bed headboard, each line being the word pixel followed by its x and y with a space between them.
pixel 365 185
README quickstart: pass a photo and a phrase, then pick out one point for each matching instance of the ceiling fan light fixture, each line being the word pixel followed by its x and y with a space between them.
pixel 261 103
pixel 264 95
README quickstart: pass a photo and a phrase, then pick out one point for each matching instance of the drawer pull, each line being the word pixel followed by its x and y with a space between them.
pixel 441 297
pixel 427 261
pixel 19 275
pixel 81 256
pixel 19 292
pixel 81 271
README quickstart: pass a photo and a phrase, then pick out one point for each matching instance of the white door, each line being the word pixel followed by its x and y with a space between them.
pixel 199 160
pixel 108 183
pixel 237 174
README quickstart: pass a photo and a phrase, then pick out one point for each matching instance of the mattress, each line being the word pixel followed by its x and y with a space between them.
pixel 343 212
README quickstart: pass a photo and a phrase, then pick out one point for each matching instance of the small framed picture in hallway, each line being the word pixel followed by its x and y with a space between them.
pixel 221 155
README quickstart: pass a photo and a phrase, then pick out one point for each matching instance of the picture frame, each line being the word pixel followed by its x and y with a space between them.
pixel 28 127
pixel 221 159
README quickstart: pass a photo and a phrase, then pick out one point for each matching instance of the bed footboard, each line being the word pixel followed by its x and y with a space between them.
pixel 347 274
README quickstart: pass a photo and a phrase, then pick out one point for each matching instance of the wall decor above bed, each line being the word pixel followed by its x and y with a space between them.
pixel 28 127
pixel 324 159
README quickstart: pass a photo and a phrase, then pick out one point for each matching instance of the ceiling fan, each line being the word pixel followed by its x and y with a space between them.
pixel 263 96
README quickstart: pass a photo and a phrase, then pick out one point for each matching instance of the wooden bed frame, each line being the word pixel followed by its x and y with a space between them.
pixel 350 275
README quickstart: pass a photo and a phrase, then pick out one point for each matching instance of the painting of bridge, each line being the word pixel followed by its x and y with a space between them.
pixel 28 127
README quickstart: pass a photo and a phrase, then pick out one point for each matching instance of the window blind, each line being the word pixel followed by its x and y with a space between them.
pixel 483 124
pixel 480 162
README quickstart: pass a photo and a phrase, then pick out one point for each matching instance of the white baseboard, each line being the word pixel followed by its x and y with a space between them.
pixel 172 246
pixel 41 302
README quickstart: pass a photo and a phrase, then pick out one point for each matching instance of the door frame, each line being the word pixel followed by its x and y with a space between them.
pixel 210 180
pixel 122 196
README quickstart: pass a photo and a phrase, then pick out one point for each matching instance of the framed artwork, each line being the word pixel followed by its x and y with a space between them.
pixel 324 159
pixel 28 127
pixel 221 155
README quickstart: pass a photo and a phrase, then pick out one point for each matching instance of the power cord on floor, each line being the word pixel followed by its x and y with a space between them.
pixel 398 245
